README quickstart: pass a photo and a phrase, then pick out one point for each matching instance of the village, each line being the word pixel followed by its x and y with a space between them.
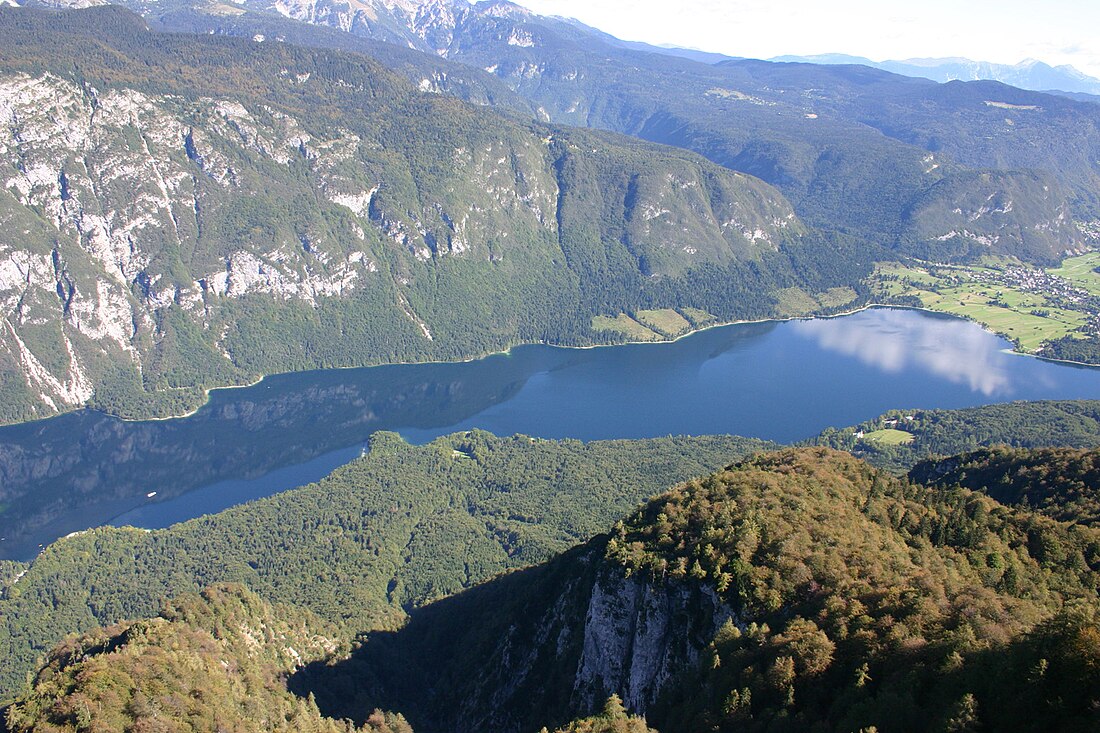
pixel 1031 280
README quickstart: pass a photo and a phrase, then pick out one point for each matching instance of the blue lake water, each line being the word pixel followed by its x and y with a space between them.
pixel 783 381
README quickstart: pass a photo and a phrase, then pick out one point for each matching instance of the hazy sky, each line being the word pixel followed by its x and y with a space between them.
pixel 1003 31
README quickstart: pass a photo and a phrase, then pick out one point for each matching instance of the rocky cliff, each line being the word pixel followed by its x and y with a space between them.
pixel 550 643
pixel 240 207
pixel 795 589
pixel 877 155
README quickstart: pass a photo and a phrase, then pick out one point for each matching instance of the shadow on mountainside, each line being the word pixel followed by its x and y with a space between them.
pixel 501 656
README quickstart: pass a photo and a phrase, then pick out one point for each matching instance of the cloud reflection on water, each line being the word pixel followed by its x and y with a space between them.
pixel 892 341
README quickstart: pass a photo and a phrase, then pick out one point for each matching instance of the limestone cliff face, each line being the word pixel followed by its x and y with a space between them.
pixel 542 645
pixel 105 194
pixel 639 635
pixel 162 235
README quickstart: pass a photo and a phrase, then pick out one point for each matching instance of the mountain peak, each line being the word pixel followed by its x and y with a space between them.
pixel 502 9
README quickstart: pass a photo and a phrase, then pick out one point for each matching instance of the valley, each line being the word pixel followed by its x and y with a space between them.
pixel 78 471
pixel 304 206
pixel 579 384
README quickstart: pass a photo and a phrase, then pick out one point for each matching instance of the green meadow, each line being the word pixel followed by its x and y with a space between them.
pixel 1028 318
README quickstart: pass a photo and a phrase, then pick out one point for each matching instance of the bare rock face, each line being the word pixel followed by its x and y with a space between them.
pixel 558 655
pixel 117 180
pixel 162 235
pixel 638 635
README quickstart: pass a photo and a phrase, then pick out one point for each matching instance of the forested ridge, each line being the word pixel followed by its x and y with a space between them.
pixel 207 662
pixel 797 590
pixel 391 531
pixel 1063 423
pixel 888 606
pixel 379 537
pixel 1060 482
pixel 803 590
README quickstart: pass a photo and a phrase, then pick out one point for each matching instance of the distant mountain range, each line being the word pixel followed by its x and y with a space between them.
pixel 1029 74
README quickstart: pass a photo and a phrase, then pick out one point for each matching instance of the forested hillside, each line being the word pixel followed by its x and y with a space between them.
pixel 307 207
pixel 208 662
pixel 799 590
pixel 1060 482
pixel 400 527
pixel 379 536
pixel 794 590
pixel 941 171
pixel 1068 423
pixel 184 211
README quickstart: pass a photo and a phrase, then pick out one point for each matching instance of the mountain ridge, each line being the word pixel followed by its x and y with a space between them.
pixel 378 247
pixel 807 192
pixel 1028 74
pixel 340 549
pixel 793 588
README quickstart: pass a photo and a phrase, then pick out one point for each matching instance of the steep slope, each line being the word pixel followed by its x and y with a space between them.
pixel 179 212
pixel 855 149
pixel 797 590
pixel 399 527
pixel 1060 482
pixel 209 662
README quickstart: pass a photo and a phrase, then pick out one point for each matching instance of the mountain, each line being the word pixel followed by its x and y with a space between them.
pixel 183 211
pixel 867 153
pixel 796 590
pixel 1028 74
pixel 263 239
pixel 340 549
pixel 395 529
pixel 793 590
pixel 209 661
pixel 694 54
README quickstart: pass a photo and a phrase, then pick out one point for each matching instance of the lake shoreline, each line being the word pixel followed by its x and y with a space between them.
pixel 208 391
pixel 750 380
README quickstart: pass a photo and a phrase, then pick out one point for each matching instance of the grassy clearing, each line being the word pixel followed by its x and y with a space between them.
pixel 889 436
pixel 836 297
pixel 665 321
pixel 698 318
pixel 1025 317
pixel 655 325
pixel 795 302
pixel 625 325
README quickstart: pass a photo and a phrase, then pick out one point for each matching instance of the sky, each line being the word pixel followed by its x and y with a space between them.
pixel 1001 31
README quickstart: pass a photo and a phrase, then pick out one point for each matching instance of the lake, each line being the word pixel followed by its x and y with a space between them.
pixel 783 381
